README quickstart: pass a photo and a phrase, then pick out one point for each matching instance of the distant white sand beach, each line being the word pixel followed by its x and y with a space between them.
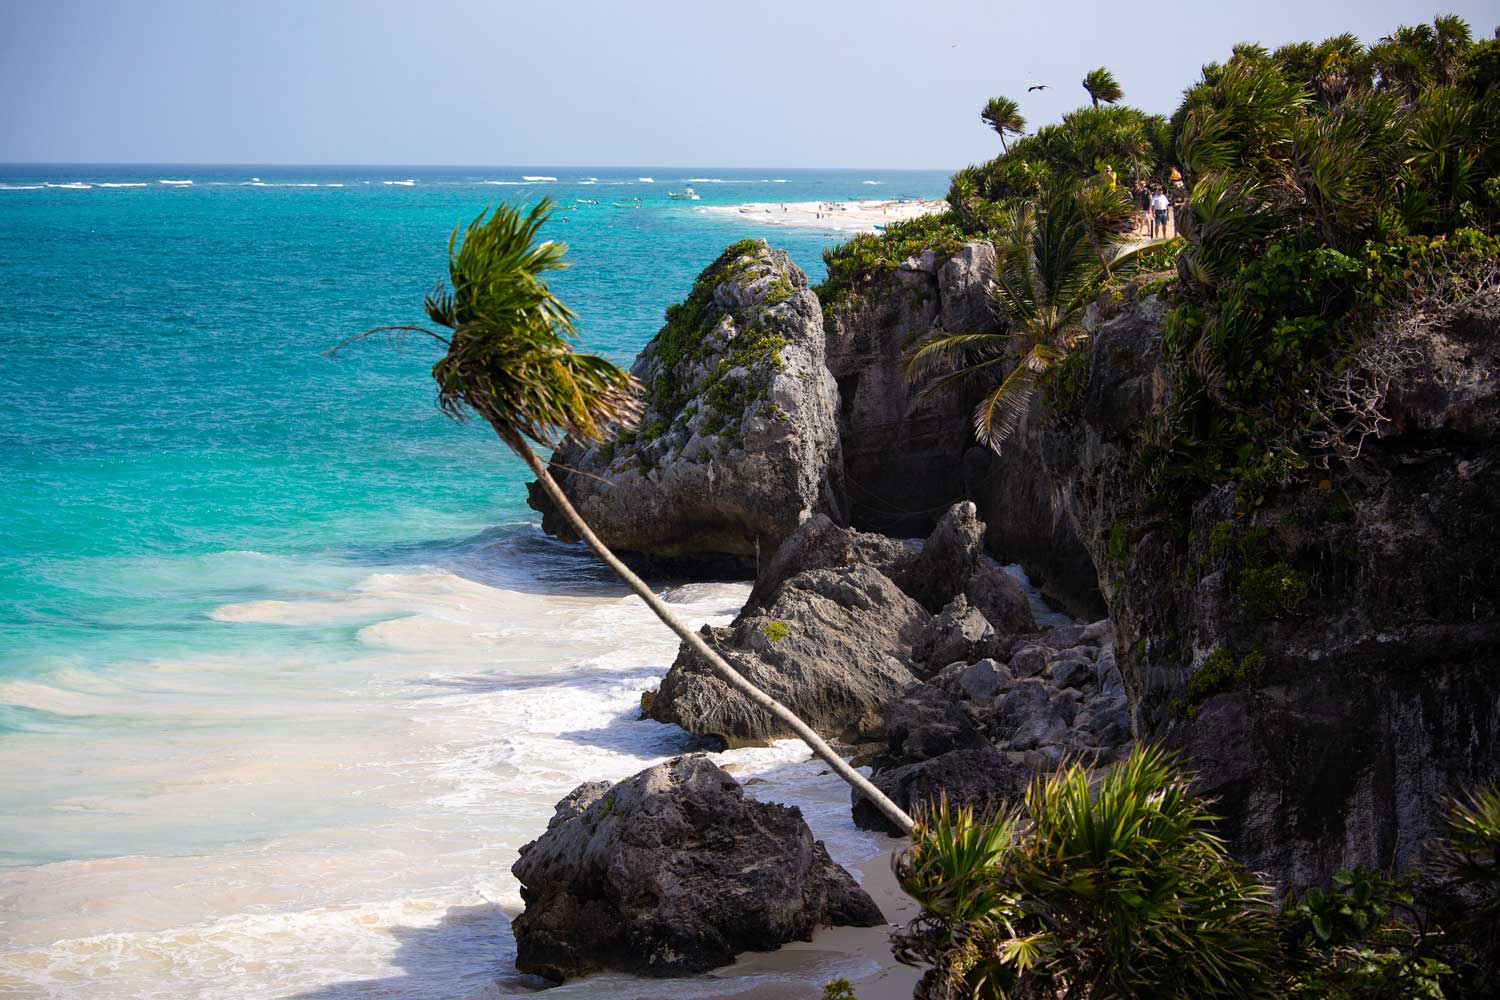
pixel 841 216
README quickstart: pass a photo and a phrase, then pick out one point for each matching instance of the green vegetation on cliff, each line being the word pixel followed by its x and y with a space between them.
pixel 1118 887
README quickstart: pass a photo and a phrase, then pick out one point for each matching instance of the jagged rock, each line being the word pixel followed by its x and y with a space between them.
pixel 1072 671
pixel 948 559
pixel 925 722
pixel 983 779
pixel 1046 727
pixel 1019 702
pixel 964 285
pixel 818 543
pixel 902 455
pixel 982 681
pixel 1028 660
pixel 1000 598
pixel 672 872
pixel 958 633
pixel 831 646
pixel 739 436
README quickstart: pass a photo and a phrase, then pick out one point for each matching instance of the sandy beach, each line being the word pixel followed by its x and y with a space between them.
pixel 838 216
pixel 860 954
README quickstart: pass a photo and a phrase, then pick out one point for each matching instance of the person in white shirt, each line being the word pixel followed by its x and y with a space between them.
pixel 1159 205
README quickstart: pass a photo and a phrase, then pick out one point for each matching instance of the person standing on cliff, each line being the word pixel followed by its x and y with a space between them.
pixel 1159 205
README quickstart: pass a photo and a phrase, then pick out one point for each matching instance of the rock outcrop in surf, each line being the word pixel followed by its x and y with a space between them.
pixel 672 872
pixel 738 440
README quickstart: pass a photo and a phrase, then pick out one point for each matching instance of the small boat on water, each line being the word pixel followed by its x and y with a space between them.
pixel 585 201
pixel 686 194
pixel 626 204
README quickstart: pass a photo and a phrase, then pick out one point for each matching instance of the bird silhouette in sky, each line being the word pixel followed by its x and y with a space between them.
pixel 1039 86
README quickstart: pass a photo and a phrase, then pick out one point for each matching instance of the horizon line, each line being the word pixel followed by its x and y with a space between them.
pixel 455 166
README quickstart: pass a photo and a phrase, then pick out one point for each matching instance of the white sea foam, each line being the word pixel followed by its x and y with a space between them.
pixel 536 177
pixel 20 187
pixel 344 816
pixel 176 183
pixel 645 180
pixel 869 182
pixel 130 184
pixel 406 183
pixel 72 186
pixel 505 183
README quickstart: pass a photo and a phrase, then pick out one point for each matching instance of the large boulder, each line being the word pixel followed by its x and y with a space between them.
pixel 831 645
pixel 673 872
pixel 902 454
pixel 738 440
pixel 818 543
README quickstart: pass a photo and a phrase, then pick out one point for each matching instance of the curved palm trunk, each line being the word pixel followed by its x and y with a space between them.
pixel 695 641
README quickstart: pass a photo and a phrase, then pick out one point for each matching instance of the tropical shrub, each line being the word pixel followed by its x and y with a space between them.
pixel 1114 888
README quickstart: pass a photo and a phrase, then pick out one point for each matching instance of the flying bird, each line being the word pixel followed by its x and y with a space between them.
pixel 1040 86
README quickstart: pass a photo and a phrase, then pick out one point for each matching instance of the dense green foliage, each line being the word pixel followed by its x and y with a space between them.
pixel 1115 887
pixel 1315 176
pixel 880 253
pixel 1112 889
pixel 1324 185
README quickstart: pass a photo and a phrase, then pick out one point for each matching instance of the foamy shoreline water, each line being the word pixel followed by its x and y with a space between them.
pixel 425 761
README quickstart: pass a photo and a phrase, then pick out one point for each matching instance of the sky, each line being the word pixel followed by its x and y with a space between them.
pixel 776 83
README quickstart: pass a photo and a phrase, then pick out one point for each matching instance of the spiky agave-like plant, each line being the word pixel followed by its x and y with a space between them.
pixel 511 361
pixel 1089 890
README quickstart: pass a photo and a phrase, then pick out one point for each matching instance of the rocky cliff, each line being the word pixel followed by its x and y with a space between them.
pixel 902 463
pixel 738 440
pixel 1323 654
pixel 907 458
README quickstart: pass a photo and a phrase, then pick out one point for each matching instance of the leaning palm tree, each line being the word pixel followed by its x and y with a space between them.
pixel 1004 116
pixel 1102 86
pixel 510 360
pixel 1047 271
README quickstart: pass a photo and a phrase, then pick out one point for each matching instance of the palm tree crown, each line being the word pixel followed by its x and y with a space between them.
pixel 1004 116
pixel 509 358
pixel 1102 86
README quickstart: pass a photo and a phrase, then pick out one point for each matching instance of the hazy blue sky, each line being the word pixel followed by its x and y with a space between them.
pixel 759 83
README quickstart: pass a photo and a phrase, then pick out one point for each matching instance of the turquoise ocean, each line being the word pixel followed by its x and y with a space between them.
pixel 287 671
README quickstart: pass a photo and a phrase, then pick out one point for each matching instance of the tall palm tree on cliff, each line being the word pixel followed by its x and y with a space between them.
pixel 1004 116
pixel 1102 86
pixel 1047 271
pixel 510 360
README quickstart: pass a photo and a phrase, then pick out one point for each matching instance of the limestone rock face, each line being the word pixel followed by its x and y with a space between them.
pixel 902 456
pixel 673 872
pixel 739 437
